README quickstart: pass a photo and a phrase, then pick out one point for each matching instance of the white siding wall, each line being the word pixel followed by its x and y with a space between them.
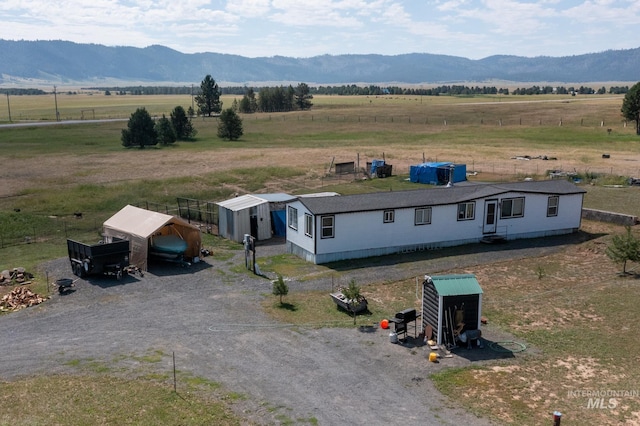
pixel 365 234
pixel 535 220
pixel 298 237
pixel 357 231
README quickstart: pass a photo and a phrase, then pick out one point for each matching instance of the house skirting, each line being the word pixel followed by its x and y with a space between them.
pixel 321 258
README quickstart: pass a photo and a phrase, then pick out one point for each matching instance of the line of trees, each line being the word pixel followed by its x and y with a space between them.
pixel 276 99
pixel 209 103
pixel 143 131
pixel 344 90
pixel 559 90
pixel 160 90
pixel 20 92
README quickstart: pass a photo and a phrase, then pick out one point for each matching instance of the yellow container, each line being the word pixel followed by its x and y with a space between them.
pixel 433 357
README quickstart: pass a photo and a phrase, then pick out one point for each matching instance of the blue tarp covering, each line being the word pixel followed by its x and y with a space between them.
pixel 437 173
pixel 278 220
pixel 375 164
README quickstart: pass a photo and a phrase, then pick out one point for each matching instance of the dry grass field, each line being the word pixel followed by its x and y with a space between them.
pixel 571 310
pixel 485 133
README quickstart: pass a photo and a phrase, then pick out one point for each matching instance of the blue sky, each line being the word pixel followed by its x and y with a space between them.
pixel 303 28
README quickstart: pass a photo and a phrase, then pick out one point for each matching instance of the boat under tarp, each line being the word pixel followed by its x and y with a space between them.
pixel 168 246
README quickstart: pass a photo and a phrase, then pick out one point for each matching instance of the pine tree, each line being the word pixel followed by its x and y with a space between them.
pixel 209 98
pixel 280 288
pixel 624 248
pixel 140 130
pixel 631 106
pixel 302 96
pixel 165 132
pixel 230 126
pixel 182 124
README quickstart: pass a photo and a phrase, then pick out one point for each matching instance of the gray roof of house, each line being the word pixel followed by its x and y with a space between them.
pixel 432 196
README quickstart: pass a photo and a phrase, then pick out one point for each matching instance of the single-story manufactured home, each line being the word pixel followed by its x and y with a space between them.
pixel 327 229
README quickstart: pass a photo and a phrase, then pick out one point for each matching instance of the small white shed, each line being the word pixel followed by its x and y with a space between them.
pixel 246 214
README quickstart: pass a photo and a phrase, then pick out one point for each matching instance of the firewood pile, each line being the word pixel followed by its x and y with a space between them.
pixel 15 276
pixel 19 298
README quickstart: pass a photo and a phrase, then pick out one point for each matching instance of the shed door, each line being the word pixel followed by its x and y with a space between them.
pixel 253 221
pixel 490 216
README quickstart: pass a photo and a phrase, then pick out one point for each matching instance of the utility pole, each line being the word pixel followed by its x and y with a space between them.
pixel 9 107
pixel 55 97
pixel 192 97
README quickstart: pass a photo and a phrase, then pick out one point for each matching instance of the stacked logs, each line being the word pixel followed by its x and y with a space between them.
pixel 19 298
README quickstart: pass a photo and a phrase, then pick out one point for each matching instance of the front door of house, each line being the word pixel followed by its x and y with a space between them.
pixel 490 216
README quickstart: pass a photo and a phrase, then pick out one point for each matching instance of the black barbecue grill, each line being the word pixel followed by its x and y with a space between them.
pixel 401 320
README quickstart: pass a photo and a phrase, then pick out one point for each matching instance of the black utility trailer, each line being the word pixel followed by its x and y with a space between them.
pixel 109 258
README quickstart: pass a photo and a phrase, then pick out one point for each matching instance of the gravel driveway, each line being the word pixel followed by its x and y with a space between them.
pixel 210 318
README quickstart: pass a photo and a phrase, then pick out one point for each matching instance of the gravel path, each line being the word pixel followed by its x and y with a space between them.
pixel 210 318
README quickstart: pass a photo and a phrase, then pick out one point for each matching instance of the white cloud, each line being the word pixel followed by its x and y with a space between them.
pixel 248 8
pixel 470 28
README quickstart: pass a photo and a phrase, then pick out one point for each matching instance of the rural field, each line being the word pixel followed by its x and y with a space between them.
pixel 570 309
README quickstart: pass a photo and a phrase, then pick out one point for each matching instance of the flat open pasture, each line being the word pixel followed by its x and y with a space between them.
pixel 485 133
pixel 587 110
pixel 87 105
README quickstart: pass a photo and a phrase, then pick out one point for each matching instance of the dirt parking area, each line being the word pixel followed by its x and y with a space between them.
pixel 210 318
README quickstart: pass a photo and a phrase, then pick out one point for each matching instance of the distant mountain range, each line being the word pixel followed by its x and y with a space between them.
pixel 65 62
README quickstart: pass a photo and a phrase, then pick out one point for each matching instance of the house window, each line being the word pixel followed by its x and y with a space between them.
pixel 552 205
pixel 389 216
pixel 308 225
pixel 328 228
pixel 292 215
pixel 467 211
pixel 423 216
pixel 512 207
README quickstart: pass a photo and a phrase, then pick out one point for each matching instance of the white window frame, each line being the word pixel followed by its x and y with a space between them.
pixel 308 225
pixel 467 211
pixel 324 226
pixel 422 216
pixel 292 217
pixel 552 207
pixel 389 216
pixel 512 211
